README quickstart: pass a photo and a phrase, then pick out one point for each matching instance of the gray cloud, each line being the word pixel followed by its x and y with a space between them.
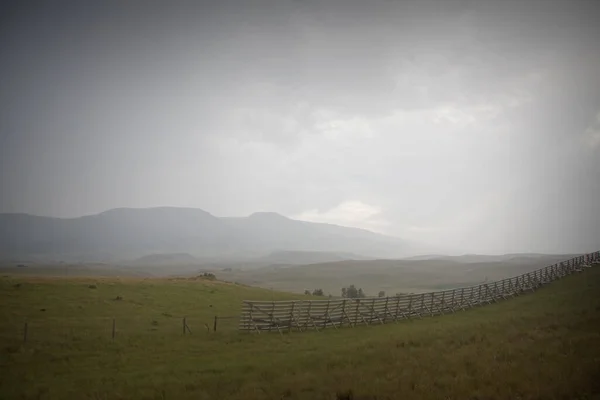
pixel 471 125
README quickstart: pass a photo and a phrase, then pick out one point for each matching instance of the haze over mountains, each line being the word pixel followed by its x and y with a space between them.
pixel 128 234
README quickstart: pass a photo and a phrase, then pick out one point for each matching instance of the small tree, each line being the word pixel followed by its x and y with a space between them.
pixel 381 293
pixel 208 275
pixel 307 292
pixel 318 292
pixel 352 292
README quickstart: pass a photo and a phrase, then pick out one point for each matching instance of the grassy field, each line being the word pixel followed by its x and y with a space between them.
pixel 538 346
pixel 391 276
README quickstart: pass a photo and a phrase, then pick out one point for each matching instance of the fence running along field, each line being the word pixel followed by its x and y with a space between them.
pixel 301 315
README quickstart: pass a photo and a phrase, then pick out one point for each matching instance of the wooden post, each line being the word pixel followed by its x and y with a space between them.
pixel 431 306
pixel 272 315
pixel 25 332
pixel 443 301
pixel 291 316
pixel 183 325
pixel 114 326
pixel 309 315
pixel 215 323
pixel 387 300
pixel 327 319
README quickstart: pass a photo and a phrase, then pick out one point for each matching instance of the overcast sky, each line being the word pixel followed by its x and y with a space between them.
pixel 473 125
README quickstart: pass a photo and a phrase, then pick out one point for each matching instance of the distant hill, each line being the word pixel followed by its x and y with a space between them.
pixel 307 257
pixel 166 259
pixel 392 276
pixel 484 258
pixel 128 234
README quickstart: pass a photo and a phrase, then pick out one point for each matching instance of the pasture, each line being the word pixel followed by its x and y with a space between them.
pixel 391 276
pixel 537 346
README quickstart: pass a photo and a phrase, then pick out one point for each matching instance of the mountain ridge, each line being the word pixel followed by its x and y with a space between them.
pixel 129 233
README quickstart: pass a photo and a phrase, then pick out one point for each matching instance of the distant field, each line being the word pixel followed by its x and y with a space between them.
pixel 537 346
pixel 83 270
pixel 391 276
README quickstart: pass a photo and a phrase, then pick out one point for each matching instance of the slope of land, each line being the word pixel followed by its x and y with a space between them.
pixel 391 276
pixel 306 257
pixel 537 346
pixel 126 234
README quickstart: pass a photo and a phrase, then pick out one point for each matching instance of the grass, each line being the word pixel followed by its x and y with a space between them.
pixel 391 276
pixel 538 346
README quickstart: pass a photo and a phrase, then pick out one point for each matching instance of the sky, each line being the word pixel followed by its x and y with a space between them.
pixel 469 125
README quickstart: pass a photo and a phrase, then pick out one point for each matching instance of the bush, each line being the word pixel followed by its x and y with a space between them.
pixel 352 292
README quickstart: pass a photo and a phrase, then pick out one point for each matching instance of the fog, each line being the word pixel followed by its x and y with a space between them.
pixel 468 125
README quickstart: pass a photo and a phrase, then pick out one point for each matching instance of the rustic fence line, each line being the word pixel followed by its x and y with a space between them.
pixel 113 328
pixel 301 315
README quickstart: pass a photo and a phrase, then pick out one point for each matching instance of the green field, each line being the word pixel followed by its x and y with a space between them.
pixel 544 345
pixel 391 276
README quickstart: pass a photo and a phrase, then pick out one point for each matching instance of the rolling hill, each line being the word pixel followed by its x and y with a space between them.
pixel 391 276
pixel 542 345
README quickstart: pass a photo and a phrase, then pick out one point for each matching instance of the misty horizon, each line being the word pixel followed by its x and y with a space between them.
pixel 456 252
pixel 468 125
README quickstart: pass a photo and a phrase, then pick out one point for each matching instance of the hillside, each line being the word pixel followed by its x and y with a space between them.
pixel 127 234
pixel 391 276
pixel 307 257
pixel 165 259
pixel 536 346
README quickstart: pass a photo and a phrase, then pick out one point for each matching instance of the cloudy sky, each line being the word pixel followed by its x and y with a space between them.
pixel 472 125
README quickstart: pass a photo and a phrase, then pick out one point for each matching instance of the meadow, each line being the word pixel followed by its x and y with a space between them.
pixel 542 345
pixel 391 276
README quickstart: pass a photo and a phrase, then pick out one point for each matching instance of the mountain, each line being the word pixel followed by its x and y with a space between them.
pixel 127 234
pixel 114 234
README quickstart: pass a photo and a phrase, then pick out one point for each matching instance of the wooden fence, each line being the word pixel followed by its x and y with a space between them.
pixel 301 315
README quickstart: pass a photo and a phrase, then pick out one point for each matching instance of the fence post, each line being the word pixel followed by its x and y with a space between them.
pixel 114 324
pixel 215 323
pixel 183 326
pixel 25 332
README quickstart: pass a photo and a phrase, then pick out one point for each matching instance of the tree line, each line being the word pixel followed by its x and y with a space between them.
pixel 350 292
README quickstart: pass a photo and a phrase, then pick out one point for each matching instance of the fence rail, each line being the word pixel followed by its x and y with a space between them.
pixel 302 315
